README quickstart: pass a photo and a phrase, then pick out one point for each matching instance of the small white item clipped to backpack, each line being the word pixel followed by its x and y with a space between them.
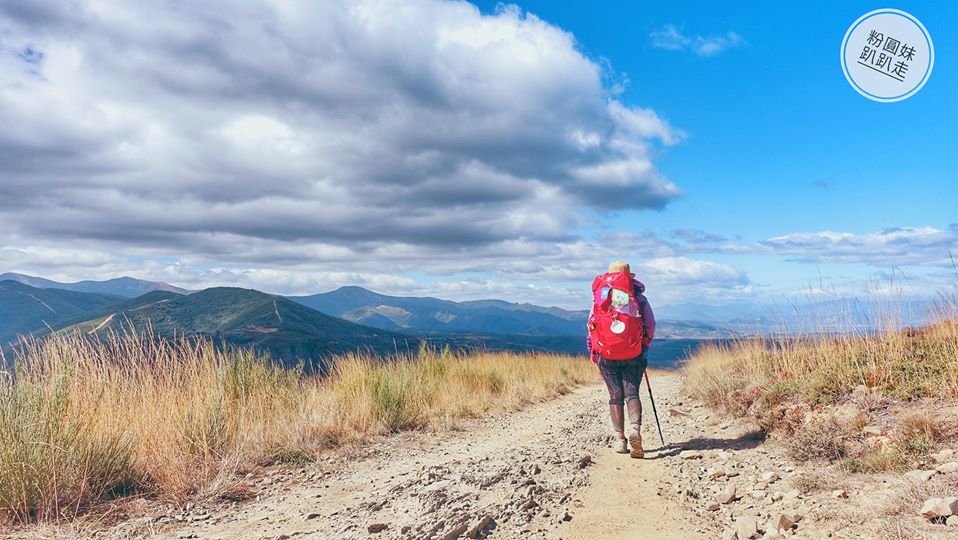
pixel 617 327
pixel 619 298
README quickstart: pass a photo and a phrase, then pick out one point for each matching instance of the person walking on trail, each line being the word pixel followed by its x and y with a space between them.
pixel 621 327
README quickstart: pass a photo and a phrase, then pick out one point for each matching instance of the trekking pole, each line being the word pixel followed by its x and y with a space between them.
pixel 654 412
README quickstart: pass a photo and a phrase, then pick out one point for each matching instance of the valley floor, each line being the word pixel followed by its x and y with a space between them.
pixel 548 472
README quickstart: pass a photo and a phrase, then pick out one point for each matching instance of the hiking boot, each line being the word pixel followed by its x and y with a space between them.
pixel 635 433
pixel 635 440
pixel 617 414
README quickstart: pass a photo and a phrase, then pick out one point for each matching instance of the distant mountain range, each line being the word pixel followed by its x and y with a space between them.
pixel 432 314
pixel 288 331
pixel 246 318
pixel 25 309
pixel 425 314
pixel 300 327
pixel 125 287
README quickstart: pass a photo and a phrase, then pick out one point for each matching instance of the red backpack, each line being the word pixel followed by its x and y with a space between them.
pixel 616 324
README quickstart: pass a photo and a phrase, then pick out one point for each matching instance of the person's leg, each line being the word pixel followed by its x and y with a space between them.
pixel 613 381
pixel 632 383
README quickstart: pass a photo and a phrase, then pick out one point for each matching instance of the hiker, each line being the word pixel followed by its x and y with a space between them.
pixel 621 326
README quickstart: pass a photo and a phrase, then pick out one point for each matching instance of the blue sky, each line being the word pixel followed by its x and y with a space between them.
pixel 778 141
pixel 472 150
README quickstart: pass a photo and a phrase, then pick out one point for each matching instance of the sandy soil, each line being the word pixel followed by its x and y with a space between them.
pixel 545 472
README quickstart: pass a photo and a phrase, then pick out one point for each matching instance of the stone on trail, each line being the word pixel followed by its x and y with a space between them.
pixel 839 494
pixel 691 454
pixel 770 476
pixel 584 461
pixel 939 507
pixel 793 494
pixel 456 532
pixel 871 431
pixel 952 521
pixel 728 495
pixel 746 527
pixel 675 411
pixel 946 468
pixel 945 455
pixel 781 522
pixel 377 528
pixel 921 475
pixel 712 506
pixel 484 524
pixel 715 473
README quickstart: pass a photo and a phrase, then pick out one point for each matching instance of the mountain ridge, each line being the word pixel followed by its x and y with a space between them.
pixel 433 314
pixel 347 319
pixel 248 318
pixel 429 314
pixel 28 310
pixel 124 286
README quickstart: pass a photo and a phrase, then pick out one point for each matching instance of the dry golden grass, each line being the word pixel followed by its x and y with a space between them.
pixel 85 421
pixel 785 383
pixel 819 370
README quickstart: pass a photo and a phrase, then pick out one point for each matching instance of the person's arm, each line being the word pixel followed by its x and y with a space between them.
pixel 648 319
pixel 588 338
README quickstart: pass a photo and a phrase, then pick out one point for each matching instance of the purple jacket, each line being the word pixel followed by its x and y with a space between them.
pixel 648 318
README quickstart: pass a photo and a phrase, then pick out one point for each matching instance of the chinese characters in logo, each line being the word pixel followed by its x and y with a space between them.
pixel 886 55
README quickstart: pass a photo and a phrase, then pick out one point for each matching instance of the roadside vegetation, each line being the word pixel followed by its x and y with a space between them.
pixel 868 401
pixel 85 421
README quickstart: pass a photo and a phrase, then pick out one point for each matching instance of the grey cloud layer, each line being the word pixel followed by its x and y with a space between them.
pixel 301 145
pixel 353 124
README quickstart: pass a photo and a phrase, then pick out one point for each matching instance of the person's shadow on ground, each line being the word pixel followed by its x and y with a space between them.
pixel 746 441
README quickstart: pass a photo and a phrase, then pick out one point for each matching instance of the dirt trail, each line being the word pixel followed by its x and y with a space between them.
pixel 546 472
pixel 609 514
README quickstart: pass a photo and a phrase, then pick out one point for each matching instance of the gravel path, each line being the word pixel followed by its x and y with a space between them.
pixel 544 472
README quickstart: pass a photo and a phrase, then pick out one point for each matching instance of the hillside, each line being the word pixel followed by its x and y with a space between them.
pixel 125 287
pixel 25 309
pixel 316 325
pixel 425 313
pixel 248 318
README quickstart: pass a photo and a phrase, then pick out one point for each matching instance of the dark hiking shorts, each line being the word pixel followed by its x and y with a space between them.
pixel 623 377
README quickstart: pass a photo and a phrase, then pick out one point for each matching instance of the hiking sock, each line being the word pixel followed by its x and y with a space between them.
pixel 635 433
pixel 617 414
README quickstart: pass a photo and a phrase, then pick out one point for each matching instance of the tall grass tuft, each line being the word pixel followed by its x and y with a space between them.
pixel 85 420
pixel 820 369
pixel 784 382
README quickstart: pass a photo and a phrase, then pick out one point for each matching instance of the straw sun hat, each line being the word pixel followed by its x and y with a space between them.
pixel 620 266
